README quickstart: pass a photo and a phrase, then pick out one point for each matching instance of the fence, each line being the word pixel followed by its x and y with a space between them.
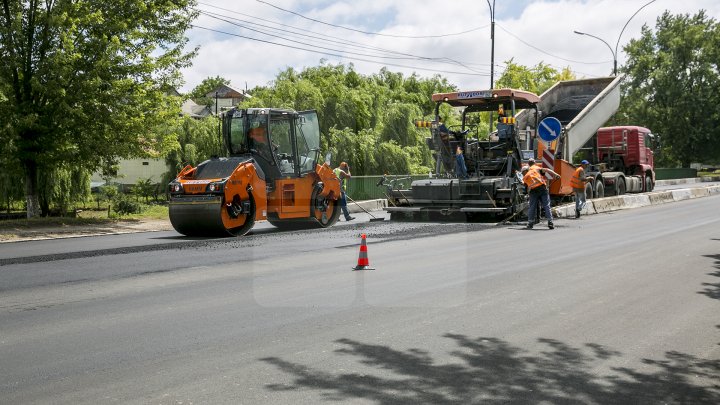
pixel 366 188
pixel 674 173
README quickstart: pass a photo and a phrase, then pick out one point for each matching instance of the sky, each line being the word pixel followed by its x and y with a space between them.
pixel 250 41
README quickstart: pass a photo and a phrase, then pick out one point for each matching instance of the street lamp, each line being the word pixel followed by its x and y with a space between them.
pixel 614 52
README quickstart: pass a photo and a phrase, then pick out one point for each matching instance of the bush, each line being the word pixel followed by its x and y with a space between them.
pixel 125 206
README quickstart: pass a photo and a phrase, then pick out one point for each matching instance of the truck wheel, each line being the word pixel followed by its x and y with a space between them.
pixel 588 191
pixel 620 186
pixel 648 183
pixel 599 190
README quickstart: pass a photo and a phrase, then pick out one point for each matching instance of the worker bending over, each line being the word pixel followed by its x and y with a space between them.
pixel 536 181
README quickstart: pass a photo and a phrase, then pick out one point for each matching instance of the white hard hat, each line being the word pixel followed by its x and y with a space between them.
pixel 524 169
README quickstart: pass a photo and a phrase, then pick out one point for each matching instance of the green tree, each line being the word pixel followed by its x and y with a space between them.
pixel 84 81
pixel 398 128
pixel 63 188
pixel 392 158
pixel 144 187
pixel 357 149
pixel 199 93
pixel 673 87
pixel 535 79
pixel 192 141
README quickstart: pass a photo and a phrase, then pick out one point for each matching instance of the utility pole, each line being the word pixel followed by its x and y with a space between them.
pixel 492 54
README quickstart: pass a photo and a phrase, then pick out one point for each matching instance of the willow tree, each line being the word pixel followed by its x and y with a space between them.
pixel 83 82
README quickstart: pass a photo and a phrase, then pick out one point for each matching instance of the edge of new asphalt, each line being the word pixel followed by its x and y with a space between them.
pixel 627 201
pixel 594 206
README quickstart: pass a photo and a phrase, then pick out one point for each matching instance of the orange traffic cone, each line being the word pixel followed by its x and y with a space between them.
pixel 363 261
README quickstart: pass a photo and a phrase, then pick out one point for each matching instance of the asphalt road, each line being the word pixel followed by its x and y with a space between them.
pixel 611 308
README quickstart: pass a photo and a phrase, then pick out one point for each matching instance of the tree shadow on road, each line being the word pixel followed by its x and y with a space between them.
pixel 712 290
pixel 490 370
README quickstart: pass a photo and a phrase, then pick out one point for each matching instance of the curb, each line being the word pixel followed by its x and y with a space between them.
pixel 609 204
pixel 370 205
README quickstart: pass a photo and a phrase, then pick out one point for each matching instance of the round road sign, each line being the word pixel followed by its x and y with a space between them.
pixel 549 129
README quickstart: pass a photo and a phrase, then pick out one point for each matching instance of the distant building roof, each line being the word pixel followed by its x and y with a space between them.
pixel 195 110
pixel 225 91
pixel 172 91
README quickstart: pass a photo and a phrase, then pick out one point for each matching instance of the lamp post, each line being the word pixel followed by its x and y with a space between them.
pixel 492 42
pixel 614 52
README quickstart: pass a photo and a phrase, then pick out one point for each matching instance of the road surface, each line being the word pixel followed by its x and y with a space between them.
pixel 610 308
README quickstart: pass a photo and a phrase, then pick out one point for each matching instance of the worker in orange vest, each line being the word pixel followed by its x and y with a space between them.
pixel 536 181
pixel 577 182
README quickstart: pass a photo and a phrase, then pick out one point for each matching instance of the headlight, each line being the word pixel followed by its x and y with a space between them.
pixel 216 187
pixel 175 187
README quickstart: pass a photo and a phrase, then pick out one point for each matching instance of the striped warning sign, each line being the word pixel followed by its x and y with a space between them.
pixel 548 158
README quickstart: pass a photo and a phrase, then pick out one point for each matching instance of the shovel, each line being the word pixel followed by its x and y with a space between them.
pixel 373 217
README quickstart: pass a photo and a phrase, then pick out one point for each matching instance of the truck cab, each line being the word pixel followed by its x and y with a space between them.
pixel 625 159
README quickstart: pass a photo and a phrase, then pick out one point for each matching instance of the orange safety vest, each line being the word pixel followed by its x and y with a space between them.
pixel 575 181
pixel 533 178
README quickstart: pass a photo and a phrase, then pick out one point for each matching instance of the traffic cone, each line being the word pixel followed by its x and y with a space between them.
pixel 363 261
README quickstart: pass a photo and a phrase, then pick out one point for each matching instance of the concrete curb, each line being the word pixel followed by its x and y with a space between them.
pixel 370 205
pixel 674 182
pixel 628 201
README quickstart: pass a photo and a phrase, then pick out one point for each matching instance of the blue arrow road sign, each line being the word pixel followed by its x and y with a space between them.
pixel 549 129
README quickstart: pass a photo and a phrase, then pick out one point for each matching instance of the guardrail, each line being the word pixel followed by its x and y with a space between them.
pixel 674 173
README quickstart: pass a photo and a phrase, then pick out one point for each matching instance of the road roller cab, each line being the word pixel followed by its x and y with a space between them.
pixel 272 173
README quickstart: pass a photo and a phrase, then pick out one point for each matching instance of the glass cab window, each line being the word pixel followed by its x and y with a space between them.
pixel 282 145
pixel 258 136
pixel 308 140
pixel 237 134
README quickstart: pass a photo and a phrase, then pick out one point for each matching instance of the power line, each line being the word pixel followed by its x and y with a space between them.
pixel 323 37
pixel 368 32
pixel 405 56
pixel 333 54
pixel 547 53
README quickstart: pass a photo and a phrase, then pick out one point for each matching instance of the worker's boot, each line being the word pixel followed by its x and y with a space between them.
pixel 529 225
pixel 577 213
pixel 551 225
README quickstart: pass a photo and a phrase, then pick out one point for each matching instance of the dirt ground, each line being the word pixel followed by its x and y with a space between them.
pixel 69 231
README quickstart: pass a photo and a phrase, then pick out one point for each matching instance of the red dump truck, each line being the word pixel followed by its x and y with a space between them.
pixel 624 161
